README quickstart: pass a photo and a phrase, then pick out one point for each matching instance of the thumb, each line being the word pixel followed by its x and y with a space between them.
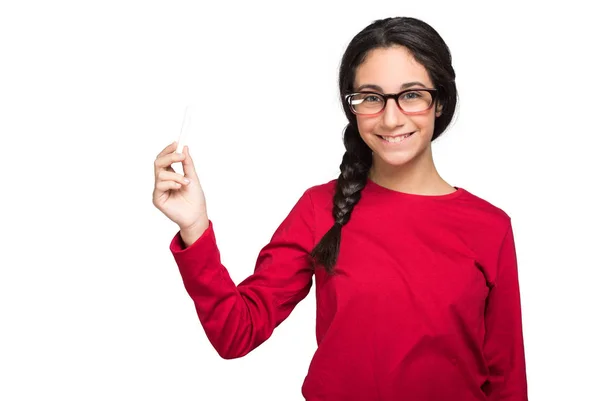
pixel 189 170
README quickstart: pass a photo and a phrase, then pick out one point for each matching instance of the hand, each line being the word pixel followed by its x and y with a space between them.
pixel 183 203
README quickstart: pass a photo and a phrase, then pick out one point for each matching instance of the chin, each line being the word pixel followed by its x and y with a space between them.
pixel 397 160
pixel 397 157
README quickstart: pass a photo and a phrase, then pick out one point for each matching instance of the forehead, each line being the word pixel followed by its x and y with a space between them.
pixel 390 68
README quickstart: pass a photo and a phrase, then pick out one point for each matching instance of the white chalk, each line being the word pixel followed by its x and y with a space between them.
pixel 186 127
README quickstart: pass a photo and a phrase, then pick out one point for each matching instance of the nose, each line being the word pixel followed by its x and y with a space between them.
pixel 392 115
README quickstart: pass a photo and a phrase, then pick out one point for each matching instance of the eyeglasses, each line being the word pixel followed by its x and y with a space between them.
pixel 410 101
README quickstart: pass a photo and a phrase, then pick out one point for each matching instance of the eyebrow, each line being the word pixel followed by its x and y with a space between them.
pixel 378 88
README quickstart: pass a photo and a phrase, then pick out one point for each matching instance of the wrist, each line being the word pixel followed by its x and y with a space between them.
pixel 190 234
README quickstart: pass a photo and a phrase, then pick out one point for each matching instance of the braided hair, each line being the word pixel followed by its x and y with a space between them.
pixel 429 49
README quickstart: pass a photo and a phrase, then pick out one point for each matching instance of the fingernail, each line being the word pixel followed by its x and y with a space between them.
pixel 186 180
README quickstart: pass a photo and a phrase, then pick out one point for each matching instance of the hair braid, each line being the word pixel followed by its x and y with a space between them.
pixel 354 172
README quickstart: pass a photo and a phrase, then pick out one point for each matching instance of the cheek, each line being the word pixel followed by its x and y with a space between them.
pixel 425 122
pixel 365 125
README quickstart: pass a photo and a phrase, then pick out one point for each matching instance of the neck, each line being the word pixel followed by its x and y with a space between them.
pixel 417 176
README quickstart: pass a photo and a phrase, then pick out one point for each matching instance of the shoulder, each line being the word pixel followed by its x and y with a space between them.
pixel 488 213
pixel 317 197
pixel 322 193
pixel 314 196
pixel 323 188
pixel 485 205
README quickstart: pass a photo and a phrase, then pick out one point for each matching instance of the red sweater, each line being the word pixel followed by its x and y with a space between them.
pixel 425 305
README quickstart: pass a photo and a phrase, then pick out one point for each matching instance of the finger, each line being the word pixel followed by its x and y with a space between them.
pixel 189 170
pixel 163 163
pixel 170 148
pixel 168 159
pixel 168 176
pixel 165 186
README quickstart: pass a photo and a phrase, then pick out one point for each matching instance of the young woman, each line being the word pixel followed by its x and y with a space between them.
pixel 416 280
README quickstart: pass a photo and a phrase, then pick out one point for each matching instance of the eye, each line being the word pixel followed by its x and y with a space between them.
pixel 412 95
pixel 372 99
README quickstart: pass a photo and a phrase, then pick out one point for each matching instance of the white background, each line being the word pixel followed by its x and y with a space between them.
pixel 92 306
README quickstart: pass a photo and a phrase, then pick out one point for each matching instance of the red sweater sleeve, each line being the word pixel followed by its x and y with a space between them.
pixel 503 346
pixel 237 319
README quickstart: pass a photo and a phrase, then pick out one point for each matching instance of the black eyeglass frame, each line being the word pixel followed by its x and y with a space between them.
pixel 396 96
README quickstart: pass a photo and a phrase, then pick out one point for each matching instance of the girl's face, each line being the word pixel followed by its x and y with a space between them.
pixel 392 70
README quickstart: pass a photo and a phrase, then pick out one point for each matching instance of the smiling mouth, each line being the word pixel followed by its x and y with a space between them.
pixel 395 139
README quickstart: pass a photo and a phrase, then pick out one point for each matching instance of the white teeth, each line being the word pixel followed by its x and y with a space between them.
pixel 396 139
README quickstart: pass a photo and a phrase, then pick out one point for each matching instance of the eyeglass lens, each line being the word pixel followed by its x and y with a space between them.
pixel 372 103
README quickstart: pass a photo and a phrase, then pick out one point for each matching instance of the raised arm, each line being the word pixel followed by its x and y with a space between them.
pixel 237 319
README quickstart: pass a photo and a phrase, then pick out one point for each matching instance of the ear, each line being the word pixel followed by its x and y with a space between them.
pixel 438 110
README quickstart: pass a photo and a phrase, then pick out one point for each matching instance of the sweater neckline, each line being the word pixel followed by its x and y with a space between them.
pixel 376 188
